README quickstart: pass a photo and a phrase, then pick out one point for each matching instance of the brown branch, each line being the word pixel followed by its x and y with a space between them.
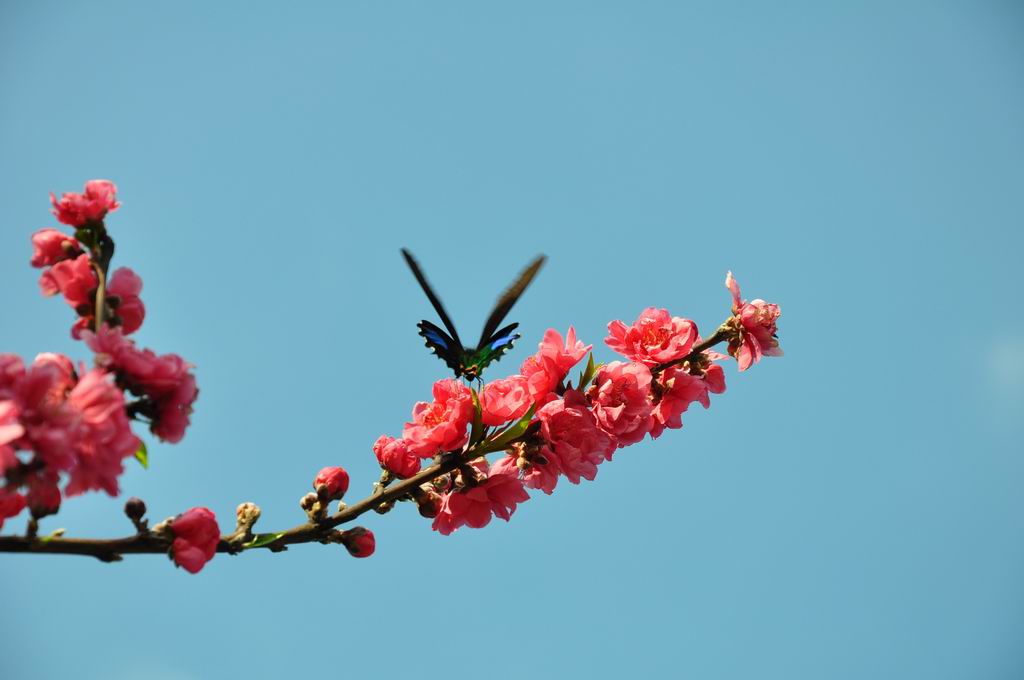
pixel 112 550
pixel 723 332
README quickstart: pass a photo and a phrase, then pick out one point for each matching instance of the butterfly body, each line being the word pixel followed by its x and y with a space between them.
pixel 470 362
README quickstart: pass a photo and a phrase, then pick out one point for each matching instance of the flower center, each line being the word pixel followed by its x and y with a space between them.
pixel 654 335
pixel 434 415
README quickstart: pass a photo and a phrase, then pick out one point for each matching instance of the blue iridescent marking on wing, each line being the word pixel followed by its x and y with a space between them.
pixel 508 339
pixel 435 338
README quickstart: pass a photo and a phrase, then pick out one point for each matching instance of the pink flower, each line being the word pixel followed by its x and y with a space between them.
pixel 563 356
pixel 336 480
pixel 546 369
pixel 10 430
pixel 621 395
pixel 359 542
pixel 757 328
pixel 50 246
pixel 196 536
pixel 170 389
pixel 76 210
pixel 173 407
pixel 572 438
pixel 74 278
pixel 655 338
pixel 679 388
pixel 123 297
pixel 441 425
pixel 504 488
pixel 394 456
pixel 498 495
pixel 541 379
pixel 542 475
pixel 103 437
pixel 11 504
pixel 49 422
pixel 505 400
pixel 12 368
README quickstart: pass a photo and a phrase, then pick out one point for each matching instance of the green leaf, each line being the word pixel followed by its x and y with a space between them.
pixel 142 455
pixel 502 441
pixel 478 424
pixel 260 540
pixel 588 374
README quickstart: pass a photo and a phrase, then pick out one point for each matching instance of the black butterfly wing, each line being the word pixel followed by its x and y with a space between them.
pixel 418 273
pixel 499 343
pixel 507 299
pixel 442 344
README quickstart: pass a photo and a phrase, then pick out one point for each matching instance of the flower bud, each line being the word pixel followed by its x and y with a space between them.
pixel 359 541
pixel 247 514
pixel 428 502
pixel 43 499
pixel 196 536
pixel 336 480
pixel 135 509
pixel 308 501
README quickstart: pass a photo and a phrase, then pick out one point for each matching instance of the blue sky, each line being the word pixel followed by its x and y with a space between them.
pixel 852 510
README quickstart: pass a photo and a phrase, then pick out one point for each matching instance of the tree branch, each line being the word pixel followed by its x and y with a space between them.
pixel 112 550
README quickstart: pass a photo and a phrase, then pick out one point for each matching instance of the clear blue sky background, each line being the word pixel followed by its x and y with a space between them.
pixel 853 510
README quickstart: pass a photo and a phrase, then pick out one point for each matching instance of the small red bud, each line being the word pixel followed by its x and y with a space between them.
pixel 359 541
pixel 336 480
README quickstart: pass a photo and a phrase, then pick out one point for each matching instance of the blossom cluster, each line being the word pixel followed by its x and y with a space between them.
pixel 66 429
pixel 62 421
pixel 548 429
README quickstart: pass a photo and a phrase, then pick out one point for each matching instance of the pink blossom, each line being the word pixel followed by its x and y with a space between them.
pixel 74 278
pixel 498 495
pixel 196 536
pixel 757 328
pixel 441 425
pixel 123 297
pixel 541 379
pixel 50 246
pixel 12 368
pixel 103 438
pixel 170 389
pixel 552 362
pixel 174 407
pixel 11 504
pixel 336 480
pixel 49 422
pixel 76 210
pixel 10 430
pixel 654 338
pixel 359 542
pixel 72 425
pixel 542 474
pixel 679 388
pixel 504 488
pixel 503 401
pixel 562 355
pixel 621 395
pixel 394 455
pixel 574 445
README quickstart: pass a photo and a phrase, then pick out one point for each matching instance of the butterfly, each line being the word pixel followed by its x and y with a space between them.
pixel 468 362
